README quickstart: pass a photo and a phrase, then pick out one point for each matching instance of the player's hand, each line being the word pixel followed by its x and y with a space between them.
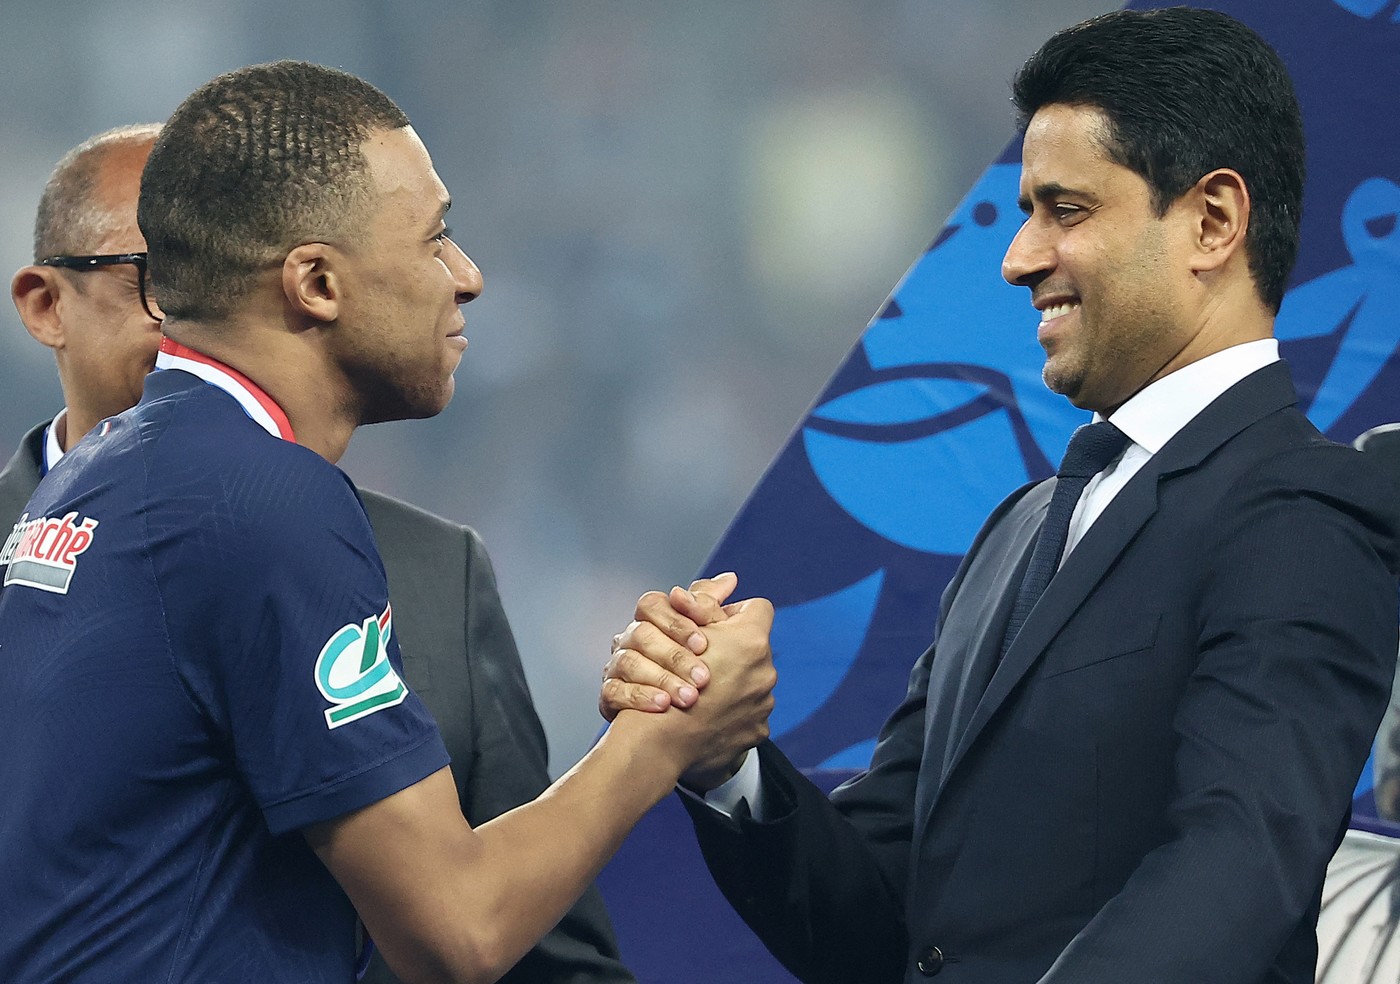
pixel 706 741
pixel 655 661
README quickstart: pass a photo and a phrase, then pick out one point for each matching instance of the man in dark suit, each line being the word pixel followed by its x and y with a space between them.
pixel 1130 752
pixel 458 651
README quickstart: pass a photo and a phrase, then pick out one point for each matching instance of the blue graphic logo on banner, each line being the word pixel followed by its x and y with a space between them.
pixel 1359 301
pixel 828 632
pixel 942 422
pixel 1369 8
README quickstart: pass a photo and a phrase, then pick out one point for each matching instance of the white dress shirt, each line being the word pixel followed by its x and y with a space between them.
pixel 53 447
pixel 1150 419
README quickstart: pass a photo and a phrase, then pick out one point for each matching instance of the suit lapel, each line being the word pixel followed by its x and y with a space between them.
pixel 969 637
pixel 1266 391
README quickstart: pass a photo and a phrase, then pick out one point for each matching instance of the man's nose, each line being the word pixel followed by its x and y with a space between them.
pixel 1028 258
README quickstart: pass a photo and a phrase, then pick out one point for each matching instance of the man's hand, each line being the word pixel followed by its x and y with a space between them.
pixel 655 661
pixel 656 655
pixel 714 733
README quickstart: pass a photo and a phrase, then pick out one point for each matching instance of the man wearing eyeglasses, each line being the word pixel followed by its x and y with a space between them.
pixel 84 296
pixel 88 298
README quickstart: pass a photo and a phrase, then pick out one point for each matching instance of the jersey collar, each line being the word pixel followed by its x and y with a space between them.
pixel 255 403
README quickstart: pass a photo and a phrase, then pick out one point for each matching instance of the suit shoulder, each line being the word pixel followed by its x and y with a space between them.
pixel 393 518
pixel 1334 477
pixel 387 510
pixel 1032 496
pixel 20 475
pixel 1299 454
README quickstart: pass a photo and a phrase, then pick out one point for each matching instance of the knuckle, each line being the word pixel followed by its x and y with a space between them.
pixel 768 678
pixel 630 665
pixel 607 699
pixel 708 609
pixel 638 696
pixel 648 602
pixel 658 647
pixel 677 658
pixel 645 633
pixel 628 638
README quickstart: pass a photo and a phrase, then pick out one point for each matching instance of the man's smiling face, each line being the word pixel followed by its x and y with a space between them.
pixel 1104 269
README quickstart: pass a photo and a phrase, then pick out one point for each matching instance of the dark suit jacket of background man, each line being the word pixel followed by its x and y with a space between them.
pixel 459 655
pixel 1138 756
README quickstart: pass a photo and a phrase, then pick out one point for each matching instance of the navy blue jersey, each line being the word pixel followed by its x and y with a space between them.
pixel 197 660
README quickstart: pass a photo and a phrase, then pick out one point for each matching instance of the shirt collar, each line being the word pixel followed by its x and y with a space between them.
pixel 1153 416
pixel 255 403
pixel 53 447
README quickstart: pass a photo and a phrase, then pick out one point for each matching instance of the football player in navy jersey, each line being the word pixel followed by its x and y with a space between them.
pixel 213 763
pixel 88 299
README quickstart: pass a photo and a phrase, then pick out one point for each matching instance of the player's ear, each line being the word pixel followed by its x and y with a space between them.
pixel 36 292
pixel 311 283
pixel 1222 217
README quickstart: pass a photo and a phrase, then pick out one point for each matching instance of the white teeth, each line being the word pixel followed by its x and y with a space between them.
pixel 1056 311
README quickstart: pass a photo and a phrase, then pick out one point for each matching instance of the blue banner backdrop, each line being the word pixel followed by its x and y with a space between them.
pixel 940 411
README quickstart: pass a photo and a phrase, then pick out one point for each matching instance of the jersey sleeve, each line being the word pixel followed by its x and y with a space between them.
pixel 289 644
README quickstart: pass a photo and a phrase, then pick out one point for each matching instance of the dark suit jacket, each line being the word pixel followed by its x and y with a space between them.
pixel 460 657
pixel 1150 787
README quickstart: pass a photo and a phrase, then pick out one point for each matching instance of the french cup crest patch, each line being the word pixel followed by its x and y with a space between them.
pixel 43 553
pixel 353 671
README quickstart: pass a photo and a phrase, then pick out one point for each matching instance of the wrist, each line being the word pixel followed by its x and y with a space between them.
pixel 701 780
pixel 649 759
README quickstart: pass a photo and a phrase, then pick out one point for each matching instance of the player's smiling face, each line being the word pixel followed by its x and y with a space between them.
pixel 407 282
pixel 1105 271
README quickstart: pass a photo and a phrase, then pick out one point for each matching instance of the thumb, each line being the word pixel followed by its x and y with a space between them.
pixel 703 603
pixel 759 611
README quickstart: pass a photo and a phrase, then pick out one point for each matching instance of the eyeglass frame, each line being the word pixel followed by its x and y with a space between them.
pixel 84 264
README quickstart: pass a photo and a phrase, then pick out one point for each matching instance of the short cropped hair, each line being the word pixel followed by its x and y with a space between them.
pixel 1186 91
pixel 253 164
pixel 71 219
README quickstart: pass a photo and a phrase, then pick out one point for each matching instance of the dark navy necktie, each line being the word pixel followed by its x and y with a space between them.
pixel 1090 450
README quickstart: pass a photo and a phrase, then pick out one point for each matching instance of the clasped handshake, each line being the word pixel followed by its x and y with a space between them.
pixel 701 671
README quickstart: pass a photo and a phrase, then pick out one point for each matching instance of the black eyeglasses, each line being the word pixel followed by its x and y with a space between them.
pixel 85 263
